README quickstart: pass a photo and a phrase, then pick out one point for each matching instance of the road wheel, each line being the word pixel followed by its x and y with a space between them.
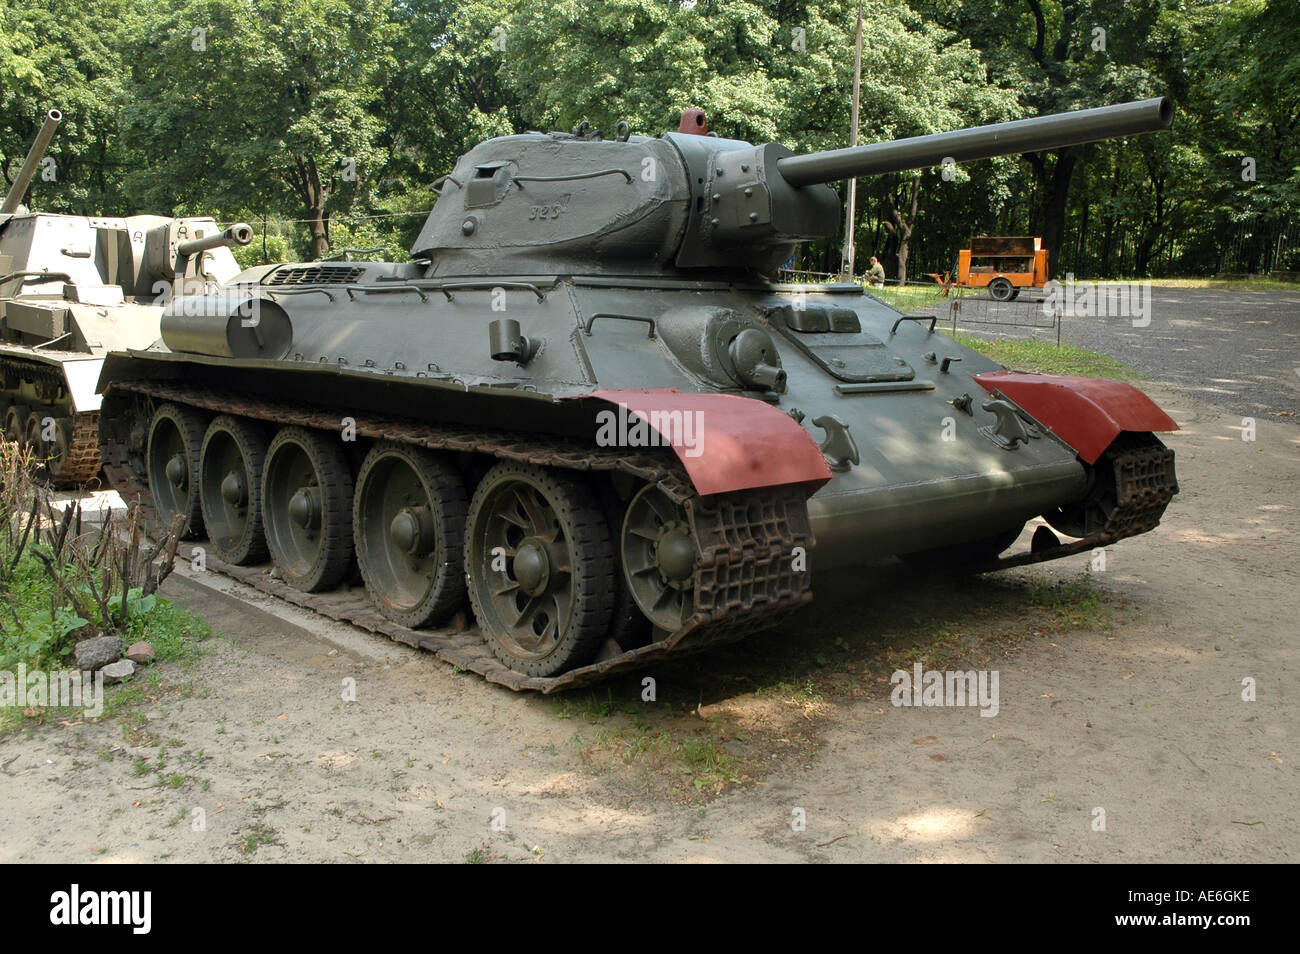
pixel 1000 289
pixel 659 558
pixel 230 489
pixel 16 423
pixel 307 508
pixel 540 568
pixel 172 463
pixel 409 527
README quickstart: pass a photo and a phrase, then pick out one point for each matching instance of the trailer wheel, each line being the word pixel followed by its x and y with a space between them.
pixel 1001 290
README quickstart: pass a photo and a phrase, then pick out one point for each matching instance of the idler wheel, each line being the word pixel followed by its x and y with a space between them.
pixel 230 489
pixel 307 508
pixel 539 564
pixel 172 463
pixel 409 526
pixel 659 558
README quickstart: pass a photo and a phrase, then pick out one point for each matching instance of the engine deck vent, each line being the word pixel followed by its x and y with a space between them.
pixel 314 275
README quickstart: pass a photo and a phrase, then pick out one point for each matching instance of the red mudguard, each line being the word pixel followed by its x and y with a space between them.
pixel 1086 413
pixel 729 442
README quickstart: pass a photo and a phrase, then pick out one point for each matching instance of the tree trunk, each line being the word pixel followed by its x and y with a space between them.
pixel 901 227
pixel 306 181
pixel 1053 189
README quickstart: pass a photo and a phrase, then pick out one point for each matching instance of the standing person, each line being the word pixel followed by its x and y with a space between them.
pixel 876 273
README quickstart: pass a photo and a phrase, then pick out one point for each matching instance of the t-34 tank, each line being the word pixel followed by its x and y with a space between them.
pixel 74 287
pixel 587 410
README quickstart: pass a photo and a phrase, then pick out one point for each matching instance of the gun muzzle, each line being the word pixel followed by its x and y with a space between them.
pixel 34 156
pixel 238 234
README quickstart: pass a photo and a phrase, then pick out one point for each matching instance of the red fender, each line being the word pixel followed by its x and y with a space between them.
pixel 1086 413
pixel 729 443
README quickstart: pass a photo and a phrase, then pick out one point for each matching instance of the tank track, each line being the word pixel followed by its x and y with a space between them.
pixel 1145 483
pixel 744 582
pixel 82 462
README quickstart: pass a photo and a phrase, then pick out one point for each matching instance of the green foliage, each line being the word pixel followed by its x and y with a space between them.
pixel 324 123
pixel 31 633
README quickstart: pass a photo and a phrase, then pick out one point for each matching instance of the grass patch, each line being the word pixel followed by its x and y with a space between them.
pixel 1226 284
pixel 255 837
pixel 65 578
pixel 1047 357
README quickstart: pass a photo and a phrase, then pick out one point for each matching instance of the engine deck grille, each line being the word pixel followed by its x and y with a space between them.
pixel 314 275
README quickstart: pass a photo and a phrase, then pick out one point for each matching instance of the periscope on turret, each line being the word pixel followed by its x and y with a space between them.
pixel 501 424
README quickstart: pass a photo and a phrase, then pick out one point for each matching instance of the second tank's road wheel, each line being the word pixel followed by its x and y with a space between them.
pixel 33 433
pixel 15 423
pixel 1000 289
pixel 539 565
pixel 50 440
pixel 230 489
pixel 659 558
pixel 409 528
pixel 307 508
pixel 175 444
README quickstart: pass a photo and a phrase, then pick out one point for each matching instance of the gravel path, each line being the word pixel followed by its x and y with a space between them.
pixel 1237 349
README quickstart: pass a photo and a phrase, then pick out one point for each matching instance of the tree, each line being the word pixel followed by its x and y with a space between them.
pixel 244 102
pixel 55 54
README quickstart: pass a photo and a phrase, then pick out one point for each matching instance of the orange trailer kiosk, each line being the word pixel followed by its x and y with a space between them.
pixel 1003 264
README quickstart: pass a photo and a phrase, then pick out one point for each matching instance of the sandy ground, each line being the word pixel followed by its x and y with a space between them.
pixel 1143 720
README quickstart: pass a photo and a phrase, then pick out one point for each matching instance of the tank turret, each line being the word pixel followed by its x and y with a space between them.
pixel 542 203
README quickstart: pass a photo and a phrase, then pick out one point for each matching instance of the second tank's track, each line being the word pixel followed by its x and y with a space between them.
pixel 745 580
pixel 82 462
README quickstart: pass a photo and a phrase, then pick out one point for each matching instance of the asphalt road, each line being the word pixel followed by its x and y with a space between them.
pixel 1237 349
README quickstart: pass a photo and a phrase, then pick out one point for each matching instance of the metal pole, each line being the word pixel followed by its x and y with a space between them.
pixel 852 204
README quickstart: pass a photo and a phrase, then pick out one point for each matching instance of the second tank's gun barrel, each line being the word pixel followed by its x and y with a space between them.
pixel 238 234
pixel 980 142
pixel 34 156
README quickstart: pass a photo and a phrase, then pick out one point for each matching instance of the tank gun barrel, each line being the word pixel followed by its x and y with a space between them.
pixel 980 142
pixel 238 234
pixel 34 156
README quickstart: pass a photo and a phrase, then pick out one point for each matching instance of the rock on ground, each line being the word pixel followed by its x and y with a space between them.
pixel 141 652
pixel 118 672
pixel 97 653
